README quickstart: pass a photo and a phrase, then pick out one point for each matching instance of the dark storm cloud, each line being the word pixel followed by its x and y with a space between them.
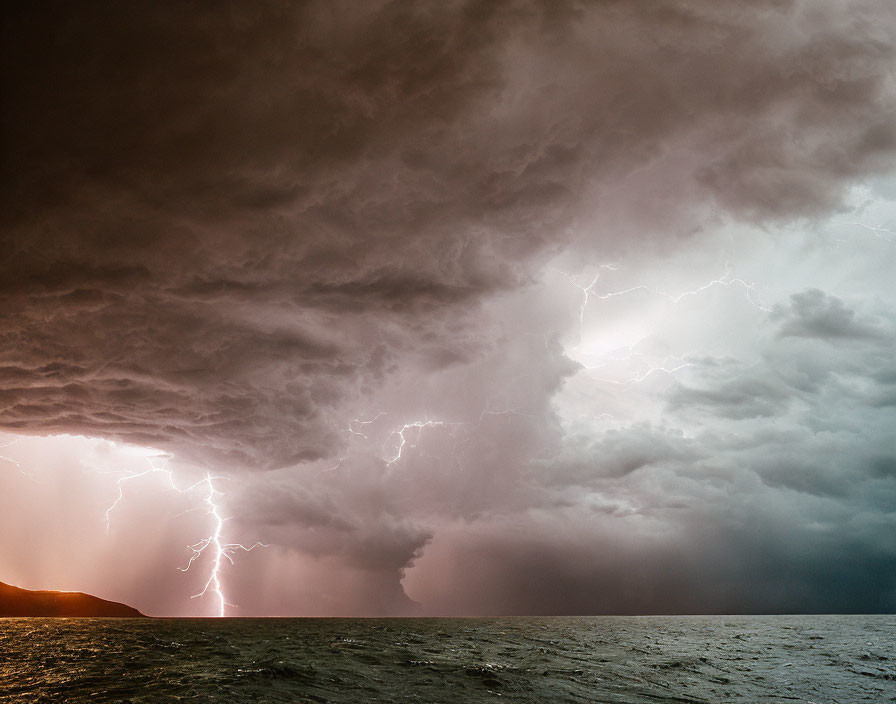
pixel 207 209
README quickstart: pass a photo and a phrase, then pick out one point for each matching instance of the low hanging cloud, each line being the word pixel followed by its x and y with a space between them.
pixel 221 225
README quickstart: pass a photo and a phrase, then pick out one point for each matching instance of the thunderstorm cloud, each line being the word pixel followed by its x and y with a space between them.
pixel 472 307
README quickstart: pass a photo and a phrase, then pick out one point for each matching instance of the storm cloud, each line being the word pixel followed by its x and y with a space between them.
pixel 454 294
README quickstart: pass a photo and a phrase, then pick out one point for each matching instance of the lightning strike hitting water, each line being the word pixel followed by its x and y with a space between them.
pixel 220 550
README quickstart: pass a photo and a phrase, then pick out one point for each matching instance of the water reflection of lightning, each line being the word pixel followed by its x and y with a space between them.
pixel 220 550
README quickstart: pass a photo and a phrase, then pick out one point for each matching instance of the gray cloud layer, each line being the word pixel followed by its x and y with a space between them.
pixel 229 232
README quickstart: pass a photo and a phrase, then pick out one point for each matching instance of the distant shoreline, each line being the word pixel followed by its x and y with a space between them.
pixel 466 618
pixel 16 602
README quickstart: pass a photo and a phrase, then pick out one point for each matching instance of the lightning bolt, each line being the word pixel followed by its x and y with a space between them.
pixel 878 232
pixel 725 280
pixel 214 543
pixel 353 431
pixel 219 549
pixel 336 466
pixel 586 290
pixel 403 440
pixel 23 469
pixel 357 421
pixel 677 363
pixel 638 377
pixel 670 364
pixel 410 434
pixel 152 469
pixel 506 412
pixel 4 458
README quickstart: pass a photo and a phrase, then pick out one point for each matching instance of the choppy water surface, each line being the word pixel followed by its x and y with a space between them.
pixel 600 659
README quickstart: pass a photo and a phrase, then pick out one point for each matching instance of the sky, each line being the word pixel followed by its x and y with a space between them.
pixel 450 308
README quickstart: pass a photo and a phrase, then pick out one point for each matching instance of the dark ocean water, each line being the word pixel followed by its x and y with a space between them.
pixel 592 659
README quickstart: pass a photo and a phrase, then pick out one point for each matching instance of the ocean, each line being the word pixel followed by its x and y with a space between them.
pixel 652 659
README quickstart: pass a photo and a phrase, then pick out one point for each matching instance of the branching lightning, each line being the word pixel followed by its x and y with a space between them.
pixel 505 412
pixel 220 550
pixel 403 440
pixel 357 422
pixel 398 441
pixel 353 430
pixel 727 280
pixel 152 469
pixel 670 364
pixel 586 290
pixel 666 368
pixel 24 470
pixel 879 232
pixel 4 458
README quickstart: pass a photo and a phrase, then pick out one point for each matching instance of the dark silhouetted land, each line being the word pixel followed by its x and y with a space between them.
pixel 25 602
